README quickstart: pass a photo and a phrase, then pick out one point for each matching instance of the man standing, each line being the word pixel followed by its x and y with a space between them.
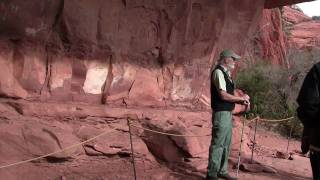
pixel 222 103
pixel 309 114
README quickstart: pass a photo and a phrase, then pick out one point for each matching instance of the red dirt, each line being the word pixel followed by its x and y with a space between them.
pixel 117 164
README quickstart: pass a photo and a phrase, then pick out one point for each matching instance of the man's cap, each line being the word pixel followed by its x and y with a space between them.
pixel 229 53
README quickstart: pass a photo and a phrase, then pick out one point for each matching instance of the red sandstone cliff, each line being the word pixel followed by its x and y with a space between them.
pixel 127 54
pixel 280 30
pixel 302 31
pixel 293 16
pixel 279 3
pixel 107 51
pixel 102 52
pixel 271 38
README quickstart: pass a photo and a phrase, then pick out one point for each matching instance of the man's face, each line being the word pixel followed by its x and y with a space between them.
pixel 230 63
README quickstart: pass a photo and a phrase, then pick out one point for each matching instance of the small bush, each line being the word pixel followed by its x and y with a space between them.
pixel 316 18
pixel 273 90
pixel 269 90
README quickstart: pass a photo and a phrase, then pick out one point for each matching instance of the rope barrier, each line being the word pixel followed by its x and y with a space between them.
pixel 56 152
pixel 251 120
pixel 91 139
pixel 132 125
pixel 169 134
pixel 256 119
pixel 269 120
pixel 276 120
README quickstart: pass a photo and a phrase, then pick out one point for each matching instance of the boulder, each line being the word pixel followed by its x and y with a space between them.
pixel 25 141
pixel 117 142
pixel 281 155
pixel 9 85
pixel 256 168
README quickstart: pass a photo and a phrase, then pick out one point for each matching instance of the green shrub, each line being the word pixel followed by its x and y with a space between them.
pixel 316 18
pixel 265 86
pixel 273 90
pixel 269 90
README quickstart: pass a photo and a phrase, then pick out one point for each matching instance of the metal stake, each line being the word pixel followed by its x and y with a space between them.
pixel 132 154
pixel 289 138
pixel 254 140
pixel 249 135
pixel 239 155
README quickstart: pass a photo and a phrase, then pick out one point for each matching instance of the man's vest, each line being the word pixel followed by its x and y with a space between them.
pixel 217 104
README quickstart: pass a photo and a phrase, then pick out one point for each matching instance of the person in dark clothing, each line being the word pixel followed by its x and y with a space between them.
pixel 222 103
pixel 309 114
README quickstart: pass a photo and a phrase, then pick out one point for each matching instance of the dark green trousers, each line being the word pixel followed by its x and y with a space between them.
pixel 220 143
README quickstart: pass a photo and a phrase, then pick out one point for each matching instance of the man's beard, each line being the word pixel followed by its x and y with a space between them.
pixel 231 66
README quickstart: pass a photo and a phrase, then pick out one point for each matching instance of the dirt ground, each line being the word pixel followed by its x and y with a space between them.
pixel 118 166
pixel 268 144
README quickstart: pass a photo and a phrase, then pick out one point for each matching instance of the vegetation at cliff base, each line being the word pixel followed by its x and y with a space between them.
pixel 273 89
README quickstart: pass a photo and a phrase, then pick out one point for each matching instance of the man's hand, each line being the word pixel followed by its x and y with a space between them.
pixel 246 102
pixel 245 99
pixel 246 96
pixel 234 98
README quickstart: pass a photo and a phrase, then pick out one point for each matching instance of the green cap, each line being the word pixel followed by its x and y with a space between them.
pixel 229 53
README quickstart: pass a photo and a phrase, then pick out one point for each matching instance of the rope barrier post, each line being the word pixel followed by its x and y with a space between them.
pixel 289 138
pixel 249 135
pixel 254 139
pixel 132 154
pixel 241 140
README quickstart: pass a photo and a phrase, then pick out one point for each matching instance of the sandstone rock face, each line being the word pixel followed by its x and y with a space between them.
pixel 293 16
pixel 305 35
pixel 278 3
pixel 302 31
pixel 25 141
pixel 280 30
pixel 120 53
pixel 136 57
pixel 10 85
pixel 268 43
pixel 106 52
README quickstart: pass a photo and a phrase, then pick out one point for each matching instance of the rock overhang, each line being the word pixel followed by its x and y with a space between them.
pixel 278 3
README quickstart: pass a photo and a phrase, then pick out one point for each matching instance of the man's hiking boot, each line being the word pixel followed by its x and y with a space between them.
pixel 227 177
pixel 211 178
